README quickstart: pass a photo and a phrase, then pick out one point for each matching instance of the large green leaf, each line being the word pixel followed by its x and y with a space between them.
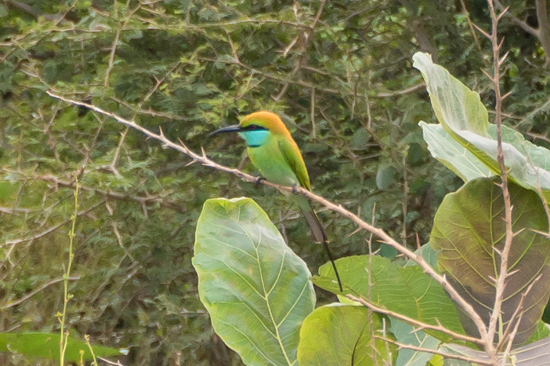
pixel 465 119
pixel 257 291
pixel 452 154
pixel 468 225
pixel 46 345
pixel 344 335
pixel 405 290
pixel 456 107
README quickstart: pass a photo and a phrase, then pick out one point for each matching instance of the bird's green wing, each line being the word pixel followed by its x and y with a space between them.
pixel 294 159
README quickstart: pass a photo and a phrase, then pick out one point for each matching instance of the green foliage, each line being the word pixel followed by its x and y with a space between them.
pixel 340 78
pixel 344 335
pixel 465 119
pixel 43 345
pixel 255 288
pixel 467 240
pixel 404 290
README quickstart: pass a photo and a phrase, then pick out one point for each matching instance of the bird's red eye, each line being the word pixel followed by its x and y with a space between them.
pixel 253 127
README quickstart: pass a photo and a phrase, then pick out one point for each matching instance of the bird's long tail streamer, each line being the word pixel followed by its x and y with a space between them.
pixel 318 234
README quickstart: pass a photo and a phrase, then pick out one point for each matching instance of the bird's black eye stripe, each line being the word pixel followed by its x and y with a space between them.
pixel 254 128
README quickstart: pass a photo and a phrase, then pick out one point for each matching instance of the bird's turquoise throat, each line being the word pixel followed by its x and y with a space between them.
pixel 255 138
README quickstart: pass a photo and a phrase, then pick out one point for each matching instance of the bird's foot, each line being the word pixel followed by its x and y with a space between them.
pixel 295 189
pixel 258 180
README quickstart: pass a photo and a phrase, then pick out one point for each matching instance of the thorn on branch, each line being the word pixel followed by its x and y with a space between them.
pixel 355 232
pixel 509 274
pixel 190 163
pixel 504 11
pixel 545 234
pixel 507 95
pixel 487 74
pixel 500 45
pixel 485 34
pixel 518 232
pixel 503 58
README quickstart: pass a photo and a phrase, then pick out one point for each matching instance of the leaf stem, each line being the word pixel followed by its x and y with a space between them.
pixel 66 296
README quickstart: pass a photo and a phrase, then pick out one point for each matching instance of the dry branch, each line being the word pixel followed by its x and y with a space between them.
pixel 34 292
pixel 502 274
pixel 416 323
pixel 435 352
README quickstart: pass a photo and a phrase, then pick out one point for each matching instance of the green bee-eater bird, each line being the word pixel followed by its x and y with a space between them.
pixel 273 151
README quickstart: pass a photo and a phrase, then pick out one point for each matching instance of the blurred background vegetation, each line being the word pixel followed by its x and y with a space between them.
pixel 338 73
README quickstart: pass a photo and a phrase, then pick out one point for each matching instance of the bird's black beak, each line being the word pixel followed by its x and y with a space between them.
pixel 234 128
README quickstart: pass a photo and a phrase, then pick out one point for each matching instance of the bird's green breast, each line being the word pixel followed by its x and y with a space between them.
pixel 271 163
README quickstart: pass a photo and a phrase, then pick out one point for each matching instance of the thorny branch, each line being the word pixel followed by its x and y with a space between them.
pixel 385 238
pixel 435 352
pixel 502 275
pixel 420 325
pixel 542 33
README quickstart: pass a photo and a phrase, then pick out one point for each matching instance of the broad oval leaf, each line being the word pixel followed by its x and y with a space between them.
pixel 456 107
pixel 465 119
pixel 344 335
pixel 468 225
pixel 452 154
pixel 404 290
pixel 257 291
pixel 46 345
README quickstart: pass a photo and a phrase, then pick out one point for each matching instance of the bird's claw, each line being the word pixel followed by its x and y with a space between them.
pixel 258 180
pixel 295 189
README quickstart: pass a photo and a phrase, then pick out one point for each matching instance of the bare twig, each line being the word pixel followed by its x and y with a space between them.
pixel 149 111
pixel 111 58
pixel 305 84
pixel 512 327
pixel 435 352
pixel 110 362
pixel 470 24
pixel 15 210
pixel 542 33
pixel 420 325
pixel 14 242
pixel 142 200
pixel 34 292
pixel 114 162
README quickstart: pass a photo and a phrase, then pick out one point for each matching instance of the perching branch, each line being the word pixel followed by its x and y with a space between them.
pixel 385 238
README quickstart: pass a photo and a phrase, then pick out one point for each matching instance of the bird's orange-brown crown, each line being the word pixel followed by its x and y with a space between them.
pixel 265 119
